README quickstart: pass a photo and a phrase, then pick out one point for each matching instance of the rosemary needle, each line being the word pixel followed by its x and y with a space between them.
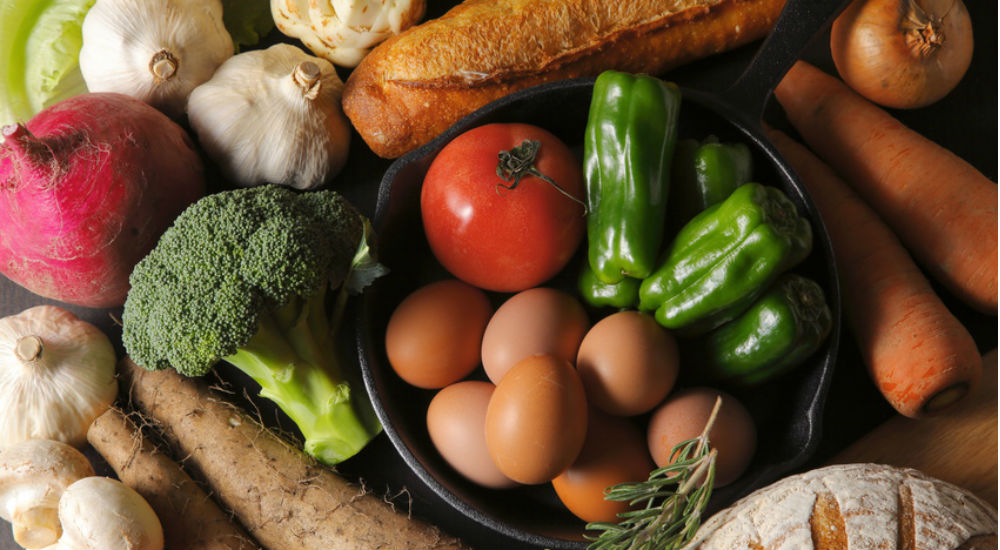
pixel 666 509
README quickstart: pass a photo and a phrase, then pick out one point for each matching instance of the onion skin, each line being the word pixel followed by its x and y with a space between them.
pixel 902 54
pixel 86 189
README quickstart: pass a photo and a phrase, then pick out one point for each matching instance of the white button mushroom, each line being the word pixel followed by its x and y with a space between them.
pixel 57 374
pixel 101 513
pixel 33 476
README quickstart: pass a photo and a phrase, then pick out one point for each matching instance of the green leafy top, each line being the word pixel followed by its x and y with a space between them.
pixel 248 21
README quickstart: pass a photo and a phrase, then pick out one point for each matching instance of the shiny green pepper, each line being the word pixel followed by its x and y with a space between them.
pixel 623 295
pixel 724 258
pixel 628 146
pixel 706 173
pixel 781 329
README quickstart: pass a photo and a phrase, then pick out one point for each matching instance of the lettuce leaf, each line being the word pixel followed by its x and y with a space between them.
pixel 40 43
pixel 248 21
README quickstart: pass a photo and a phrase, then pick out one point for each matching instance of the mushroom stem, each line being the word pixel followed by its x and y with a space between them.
pixel 306 75
pixel 36 527
pixel 163 65
pixel 28 348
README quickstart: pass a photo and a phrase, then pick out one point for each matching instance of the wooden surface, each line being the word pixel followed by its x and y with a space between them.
pixel 959 446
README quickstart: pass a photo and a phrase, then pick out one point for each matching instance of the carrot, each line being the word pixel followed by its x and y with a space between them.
pixel 284 498
pixel 191 519
pixel 920 356
pixel 942 208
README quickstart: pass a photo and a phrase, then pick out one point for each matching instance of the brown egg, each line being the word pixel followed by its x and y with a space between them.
pixel 435 334
pixel 614 452
pixel 456 421
pixel 627 363
pixel 683 416
pixel 532 322
pixel 537 419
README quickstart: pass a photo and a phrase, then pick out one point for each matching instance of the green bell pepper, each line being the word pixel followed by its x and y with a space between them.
pixel 724 258
pixel 628 147
pixel 704 174
pixel 782 328
pixel 623 294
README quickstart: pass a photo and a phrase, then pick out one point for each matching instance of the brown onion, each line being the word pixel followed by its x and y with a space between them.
pixel 902 54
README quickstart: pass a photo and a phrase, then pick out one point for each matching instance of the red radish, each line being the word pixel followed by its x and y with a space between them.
pixel 86 189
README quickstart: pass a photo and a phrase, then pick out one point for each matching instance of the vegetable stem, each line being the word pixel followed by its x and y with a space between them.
pixel 306 76
pixel 163 65
pixel 28 348
pixel 519 162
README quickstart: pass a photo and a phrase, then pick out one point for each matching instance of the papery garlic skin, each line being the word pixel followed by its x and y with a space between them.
pixel 263 118
pixel 57 374
pixel 33 476
pixel 155 51
pixel 344 31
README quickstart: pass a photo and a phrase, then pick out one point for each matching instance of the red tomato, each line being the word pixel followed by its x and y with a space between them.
pixel 502 239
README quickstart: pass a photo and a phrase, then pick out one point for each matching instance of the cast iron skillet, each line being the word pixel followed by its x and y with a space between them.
pixel 788 412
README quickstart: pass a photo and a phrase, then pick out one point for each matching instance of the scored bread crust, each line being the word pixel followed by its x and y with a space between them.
pixel 415 85
pixel 853 507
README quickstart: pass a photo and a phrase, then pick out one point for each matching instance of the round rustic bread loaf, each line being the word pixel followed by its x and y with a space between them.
pixel 854 507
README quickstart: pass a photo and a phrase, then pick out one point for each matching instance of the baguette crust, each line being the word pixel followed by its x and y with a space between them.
pixel 417 84
pixel 854 507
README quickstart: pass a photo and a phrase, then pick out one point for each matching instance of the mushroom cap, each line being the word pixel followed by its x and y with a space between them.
pixel 33 476
pixel 103 513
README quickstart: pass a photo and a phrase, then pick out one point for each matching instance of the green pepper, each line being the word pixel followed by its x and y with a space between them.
pixel 706 173
pixel 628 147
pixel 782 328
pixel 623 294
pixel 724 258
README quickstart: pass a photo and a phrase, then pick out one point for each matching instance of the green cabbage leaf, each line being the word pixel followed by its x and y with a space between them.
pixel 40 43
pixel 248 21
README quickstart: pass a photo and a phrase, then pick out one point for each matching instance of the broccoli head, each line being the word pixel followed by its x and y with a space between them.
pixel 243 276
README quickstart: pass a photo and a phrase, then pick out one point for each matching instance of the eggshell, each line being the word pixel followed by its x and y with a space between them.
pixel 683 416
pixel 536 421
pixel 456 420
pixel 435 334
pixel 628 363
pixel 535 321
pixel 614 452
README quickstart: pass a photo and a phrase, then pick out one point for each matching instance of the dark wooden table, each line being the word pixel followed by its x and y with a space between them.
pixel 964 122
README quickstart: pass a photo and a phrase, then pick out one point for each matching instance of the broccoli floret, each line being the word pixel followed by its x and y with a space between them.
pixel 242 276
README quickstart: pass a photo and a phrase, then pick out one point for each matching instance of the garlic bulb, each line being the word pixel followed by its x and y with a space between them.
pixel 273 116
pixel 343 31
pixel 57 374
pixel 33 476
pixel 156 51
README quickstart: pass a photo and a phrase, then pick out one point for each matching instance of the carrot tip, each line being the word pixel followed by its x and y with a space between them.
pixel 945 398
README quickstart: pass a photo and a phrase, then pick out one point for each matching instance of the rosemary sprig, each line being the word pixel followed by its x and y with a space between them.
pixel 672 500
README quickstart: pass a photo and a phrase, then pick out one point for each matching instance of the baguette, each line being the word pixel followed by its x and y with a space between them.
pixel 415 85
pixel 854 507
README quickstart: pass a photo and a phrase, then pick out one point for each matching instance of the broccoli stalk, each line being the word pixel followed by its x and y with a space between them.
pixel 243 276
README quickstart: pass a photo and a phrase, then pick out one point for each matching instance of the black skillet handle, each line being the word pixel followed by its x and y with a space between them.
pixel 799 22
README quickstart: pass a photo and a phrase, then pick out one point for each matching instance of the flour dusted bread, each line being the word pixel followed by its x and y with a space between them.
pixel 415 85
pixel 854 507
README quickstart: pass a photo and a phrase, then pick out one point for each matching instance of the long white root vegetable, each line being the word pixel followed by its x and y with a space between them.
pixel 191 520
pixel 284 498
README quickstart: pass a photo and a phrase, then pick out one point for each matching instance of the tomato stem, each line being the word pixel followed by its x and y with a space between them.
pixel 520 162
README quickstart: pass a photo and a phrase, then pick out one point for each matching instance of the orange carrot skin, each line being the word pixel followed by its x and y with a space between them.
pixel 919 355
pixel 942 208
